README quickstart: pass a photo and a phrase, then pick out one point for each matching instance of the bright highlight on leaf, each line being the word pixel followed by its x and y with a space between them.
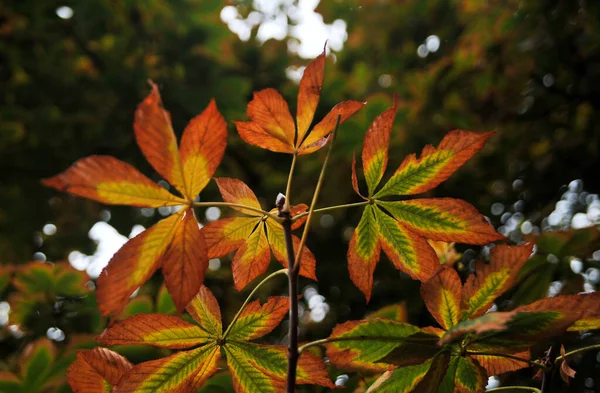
pixel 401 229
pixel 252 366
pixel 175 243
pixel 272 126
pixel 254 237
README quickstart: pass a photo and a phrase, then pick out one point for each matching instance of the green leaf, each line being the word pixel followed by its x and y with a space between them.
pixel 37 363
pixel 401 380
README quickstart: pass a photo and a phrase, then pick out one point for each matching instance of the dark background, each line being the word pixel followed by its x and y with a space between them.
pixel 530 70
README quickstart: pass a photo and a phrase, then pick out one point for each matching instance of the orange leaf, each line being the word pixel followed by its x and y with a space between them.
pixel 496 365
pixel 252 259
pixel 566 372
pixel 202 147
pixel 446 219
pixel 442 296
pixel 181 372
pixel 376 145
pixel 493 279
pixel 94 369
pixel 236 191
pixel 277 242
pixel 270 111
pixel 354 178
pixel 205 310
pixel 256 320
pixel 415 176
pixel 133 265
pixel 253 134
pixel 154 135
pixel 294 211
pixel 364 251
pixel 108 180
pixel 155 329
pixel 309 92
pixel 319 132
pixel 185 261
pixel 227 235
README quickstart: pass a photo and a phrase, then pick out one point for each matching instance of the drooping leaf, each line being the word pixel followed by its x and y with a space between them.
pixel 257 320
pixel 376 145
pixel 496 365
pixel 401 380
pixel 155 137
pixel 493 279
pixel 157 330
pixel 466 376
pixel 566 372
pixel 133 265
pixel 408 251
pixel 364 251
pixel 97 371
pixel 254 134
pixel 183 371
pixel 108 180
pixel 185 261
pixel 361 345
pixel 509 332
pixel 355 178
pixel 446 219
pixel 415 176
pixel 584 307
pixel 442 296
pixel 252 258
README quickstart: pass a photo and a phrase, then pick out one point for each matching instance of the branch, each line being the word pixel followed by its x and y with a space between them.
pixel 329 208
pixel 233 205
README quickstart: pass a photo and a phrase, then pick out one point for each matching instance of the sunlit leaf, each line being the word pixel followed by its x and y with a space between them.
pixel 415 176
pixel 396 312
pixel 496 365
pixel 202 147
pixel 133 265
pixel 446 219
pixel 184 371
pixel 493 279
pixel 364 251
pixel 270 111
pixel 376 145
pixel 309 92
pixel 97 370
pixel 227 235
pixel 236 191
pixel 442 295
pixel 205 310
pixel 277 242
pixel 155 137
pixel 257 320
pixel 108 180
pixel 408 251
pixel 157 330
pixel 252 259
pixel 185 261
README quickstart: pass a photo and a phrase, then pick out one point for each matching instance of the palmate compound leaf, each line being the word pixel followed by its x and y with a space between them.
pixel 254 236
pixel 272 126
pixel 401 228
pixel 97 371
pixel 252 366
pixel 174 243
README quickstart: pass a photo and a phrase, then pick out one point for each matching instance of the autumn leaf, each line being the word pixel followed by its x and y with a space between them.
pixel 272 126
pixel 175 244
pixel 254 236
pixel 402 229
pixel 97 371
pixel 253 367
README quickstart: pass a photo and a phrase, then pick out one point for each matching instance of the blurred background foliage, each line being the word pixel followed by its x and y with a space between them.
pixel 72 73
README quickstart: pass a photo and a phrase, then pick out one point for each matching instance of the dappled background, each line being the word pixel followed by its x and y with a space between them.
pixel 72 74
